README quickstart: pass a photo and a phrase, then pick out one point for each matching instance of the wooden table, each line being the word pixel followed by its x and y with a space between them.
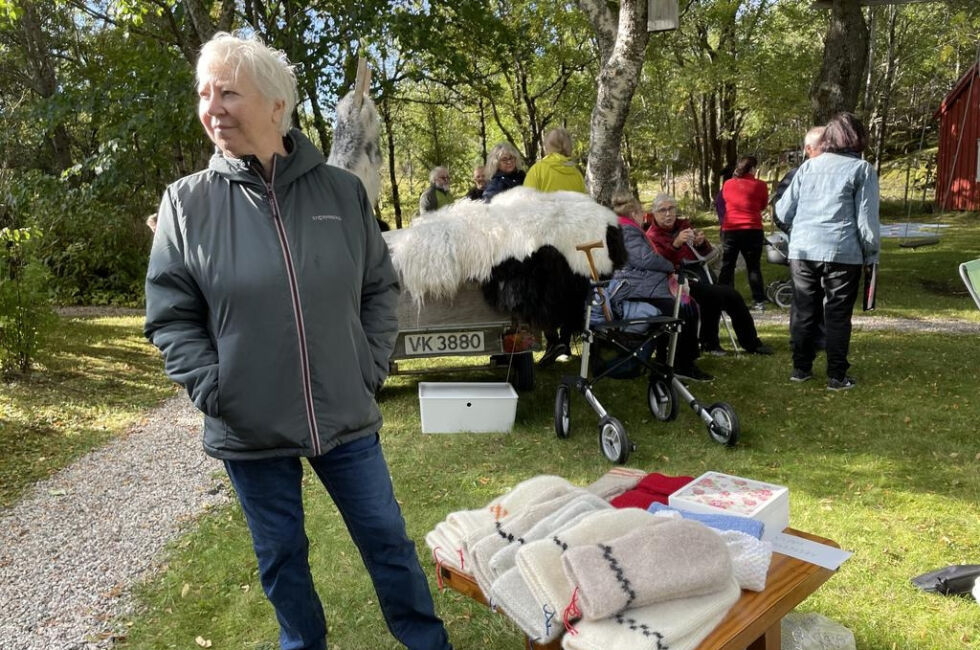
pixel 752 623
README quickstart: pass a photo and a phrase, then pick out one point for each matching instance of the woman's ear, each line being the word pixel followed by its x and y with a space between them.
pixel 278 106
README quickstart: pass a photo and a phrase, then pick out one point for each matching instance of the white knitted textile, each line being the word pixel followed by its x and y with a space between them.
pixel 679 624
pixel 511 528
pixel 539 562
pixel 568 514
pixel 750 559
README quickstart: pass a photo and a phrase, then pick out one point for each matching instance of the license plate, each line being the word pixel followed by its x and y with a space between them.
pixel 443 343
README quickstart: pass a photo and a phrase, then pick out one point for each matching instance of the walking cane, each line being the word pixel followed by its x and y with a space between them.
pixel 587 249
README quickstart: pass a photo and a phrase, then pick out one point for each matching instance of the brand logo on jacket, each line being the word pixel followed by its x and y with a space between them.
pixel 326 217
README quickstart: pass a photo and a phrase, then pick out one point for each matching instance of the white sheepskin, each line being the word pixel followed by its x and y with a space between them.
pixel 355 145
pixel 465 240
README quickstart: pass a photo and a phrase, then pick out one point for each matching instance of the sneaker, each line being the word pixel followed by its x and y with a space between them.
pixel 846 383
pixel 693 373
pixel 800 376
pixel 551 354
pixel 758 307
pixel 762 348
pixel 715 352
pixel 564 353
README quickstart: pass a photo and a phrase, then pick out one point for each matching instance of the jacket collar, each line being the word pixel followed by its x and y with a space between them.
pixel 301 156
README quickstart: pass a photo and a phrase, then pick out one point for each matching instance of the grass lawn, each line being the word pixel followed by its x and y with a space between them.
pixel 96 378
pixel 890 470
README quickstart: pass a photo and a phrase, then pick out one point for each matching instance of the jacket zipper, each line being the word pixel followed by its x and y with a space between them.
pixel 297 308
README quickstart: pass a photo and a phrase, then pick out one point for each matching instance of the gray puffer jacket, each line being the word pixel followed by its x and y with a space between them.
pixel 646 270
pixel 273 303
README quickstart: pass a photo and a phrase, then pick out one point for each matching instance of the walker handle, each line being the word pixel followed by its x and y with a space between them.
pixel 587 249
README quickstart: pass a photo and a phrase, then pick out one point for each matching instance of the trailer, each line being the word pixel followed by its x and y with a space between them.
pixel 463 326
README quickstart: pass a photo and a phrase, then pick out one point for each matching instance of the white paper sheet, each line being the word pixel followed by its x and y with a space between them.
pixel 828 557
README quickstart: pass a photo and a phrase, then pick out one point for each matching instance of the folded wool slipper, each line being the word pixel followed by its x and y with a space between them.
pixel 511 594
pixel 717 521
pixel 583 504
pixel 679 624
pixel 615 482
pixel 512 528
pixel 954 580
pixel 540 562
pixel 676 559
pixel 444 548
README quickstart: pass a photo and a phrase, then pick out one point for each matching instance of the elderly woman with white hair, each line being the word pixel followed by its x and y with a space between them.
pixel 272 297
pixel 437 195
pixel 505 170
pixel 675 239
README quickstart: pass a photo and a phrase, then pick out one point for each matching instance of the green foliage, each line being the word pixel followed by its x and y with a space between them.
pixel 25 311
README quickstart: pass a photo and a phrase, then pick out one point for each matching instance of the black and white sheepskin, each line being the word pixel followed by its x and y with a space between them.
pixel 521 248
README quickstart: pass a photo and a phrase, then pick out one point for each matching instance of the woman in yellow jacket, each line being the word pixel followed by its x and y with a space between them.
pixel 554 173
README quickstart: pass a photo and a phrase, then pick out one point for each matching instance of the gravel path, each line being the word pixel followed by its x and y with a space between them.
pixel 71 548
pixel 63 580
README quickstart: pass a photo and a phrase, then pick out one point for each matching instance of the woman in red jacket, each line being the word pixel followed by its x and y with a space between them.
pixel 745 198
pixel 676 240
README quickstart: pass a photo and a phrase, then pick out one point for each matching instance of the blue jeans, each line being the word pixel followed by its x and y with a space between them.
pixel 356 477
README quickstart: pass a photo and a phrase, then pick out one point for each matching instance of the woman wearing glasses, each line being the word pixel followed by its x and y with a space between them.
pixel 505 169
pixel 676 240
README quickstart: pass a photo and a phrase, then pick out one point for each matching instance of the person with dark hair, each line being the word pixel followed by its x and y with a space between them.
pixel 676 240
pixel 505 169
pixel 745 198
pixel 647 276
pixel 831 212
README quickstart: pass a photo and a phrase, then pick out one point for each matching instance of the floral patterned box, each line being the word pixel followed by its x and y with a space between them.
pixel 716 493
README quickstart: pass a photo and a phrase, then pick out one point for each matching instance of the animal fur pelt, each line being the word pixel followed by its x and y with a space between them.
pixel 467 239
pixel 355 142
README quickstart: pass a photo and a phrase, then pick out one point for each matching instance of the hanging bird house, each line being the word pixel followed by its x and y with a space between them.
pixel 662 15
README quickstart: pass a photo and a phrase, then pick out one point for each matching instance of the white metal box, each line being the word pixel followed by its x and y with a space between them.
pixel 717 493
pixel 479 407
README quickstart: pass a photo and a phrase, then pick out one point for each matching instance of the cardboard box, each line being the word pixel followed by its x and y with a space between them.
pixel 479 407
pixel 717 493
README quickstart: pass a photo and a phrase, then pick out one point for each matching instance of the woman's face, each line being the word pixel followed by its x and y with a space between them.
pixel 235 114
pixel 507 162
pixel 665 215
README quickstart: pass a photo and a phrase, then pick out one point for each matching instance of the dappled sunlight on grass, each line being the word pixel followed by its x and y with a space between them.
pixel 96 378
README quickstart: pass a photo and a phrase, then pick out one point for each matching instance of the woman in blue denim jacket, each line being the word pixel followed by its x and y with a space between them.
pixel 831 212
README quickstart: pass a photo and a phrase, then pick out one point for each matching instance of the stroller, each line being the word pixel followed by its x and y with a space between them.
pixel 779 291
pixel 632 342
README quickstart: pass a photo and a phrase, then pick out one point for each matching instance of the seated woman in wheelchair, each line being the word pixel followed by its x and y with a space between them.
pixel 647 277
pixel 686 249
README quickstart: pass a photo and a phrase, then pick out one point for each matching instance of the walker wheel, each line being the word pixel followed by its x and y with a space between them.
pixel 783 296
pixel 563 412
pixel 662 399
pixel 724 427
pixel 613 441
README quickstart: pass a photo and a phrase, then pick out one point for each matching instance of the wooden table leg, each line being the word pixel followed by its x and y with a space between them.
pixel 771 640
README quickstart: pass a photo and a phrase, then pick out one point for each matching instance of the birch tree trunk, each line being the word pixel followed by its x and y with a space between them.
pixel 622 42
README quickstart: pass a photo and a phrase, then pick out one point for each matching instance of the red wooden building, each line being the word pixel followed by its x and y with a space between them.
pixel 958 173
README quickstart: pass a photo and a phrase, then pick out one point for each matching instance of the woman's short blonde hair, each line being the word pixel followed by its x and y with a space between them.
pixel 267 67
pixel 500 149
pixel 558 140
